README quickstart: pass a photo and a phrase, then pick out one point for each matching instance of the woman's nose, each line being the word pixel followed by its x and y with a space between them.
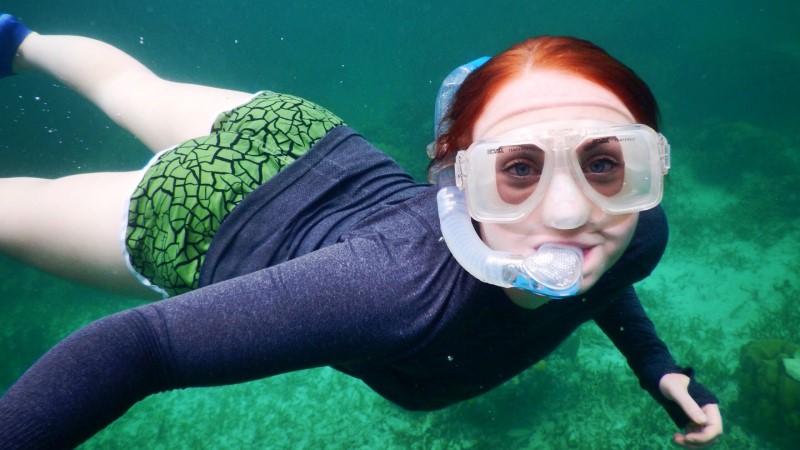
pixel 564 205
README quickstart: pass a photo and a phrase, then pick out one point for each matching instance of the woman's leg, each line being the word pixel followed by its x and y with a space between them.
pixel 160 113
pixel 71 227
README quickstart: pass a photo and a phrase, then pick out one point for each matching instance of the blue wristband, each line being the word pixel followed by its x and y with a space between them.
pixel 12 33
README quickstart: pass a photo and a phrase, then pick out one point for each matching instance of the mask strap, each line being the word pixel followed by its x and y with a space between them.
pixel 448 90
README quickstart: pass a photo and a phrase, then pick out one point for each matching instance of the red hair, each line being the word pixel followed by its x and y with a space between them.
pixel 571 55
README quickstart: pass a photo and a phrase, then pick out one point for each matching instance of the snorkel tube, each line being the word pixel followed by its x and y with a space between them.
pixel 553 270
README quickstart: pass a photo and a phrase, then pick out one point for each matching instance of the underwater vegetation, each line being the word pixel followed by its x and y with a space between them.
pixel 750 171
pixel 768 375
pixel 780 318
pixel 769 391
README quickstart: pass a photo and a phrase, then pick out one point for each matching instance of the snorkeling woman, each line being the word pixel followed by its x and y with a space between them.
pixel 287 241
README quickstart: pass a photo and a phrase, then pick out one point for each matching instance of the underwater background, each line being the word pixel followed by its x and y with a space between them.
pixel 726 297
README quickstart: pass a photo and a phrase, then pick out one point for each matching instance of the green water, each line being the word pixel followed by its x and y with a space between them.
pixel 725 74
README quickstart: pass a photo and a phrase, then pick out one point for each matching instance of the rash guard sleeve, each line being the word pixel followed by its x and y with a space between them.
pixel 626 323
pixel 312 311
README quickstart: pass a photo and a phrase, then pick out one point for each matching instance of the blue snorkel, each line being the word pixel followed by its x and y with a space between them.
pixel 553 271
pixel 448 90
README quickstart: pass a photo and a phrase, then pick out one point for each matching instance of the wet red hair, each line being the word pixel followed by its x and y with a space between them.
pixel 574 56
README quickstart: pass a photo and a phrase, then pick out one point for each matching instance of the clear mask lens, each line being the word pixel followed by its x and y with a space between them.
pixel 620 169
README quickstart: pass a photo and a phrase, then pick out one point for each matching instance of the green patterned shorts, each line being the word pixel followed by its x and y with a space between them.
pixel 187 191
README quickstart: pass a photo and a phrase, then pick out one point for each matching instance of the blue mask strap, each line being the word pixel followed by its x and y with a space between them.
pixel 448 90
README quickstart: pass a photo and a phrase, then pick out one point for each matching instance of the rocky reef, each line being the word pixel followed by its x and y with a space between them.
pixel 769 391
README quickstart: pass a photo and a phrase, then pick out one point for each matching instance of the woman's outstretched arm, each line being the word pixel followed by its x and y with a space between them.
pixel 320 309
pixel 686 401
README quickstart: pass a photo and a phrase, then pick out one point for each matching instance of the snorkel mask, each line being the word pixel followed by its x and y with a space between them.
pixel 500 180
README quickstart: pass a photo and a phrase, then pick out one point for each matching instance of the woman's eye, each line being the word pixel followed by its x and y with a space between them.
pixel 600 166
pixel 519 169
pixel 519 166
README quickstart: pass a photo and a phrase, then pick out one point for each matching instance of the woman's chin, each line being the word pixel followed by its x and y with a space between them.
pixel 590 277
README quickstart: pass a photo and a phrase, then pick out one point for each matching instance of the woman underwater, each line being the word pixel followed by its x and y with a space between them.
pixel 289 242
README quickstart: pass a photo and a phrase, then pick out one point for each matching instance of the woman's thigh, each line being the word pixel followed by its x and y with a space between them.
pixel 71 227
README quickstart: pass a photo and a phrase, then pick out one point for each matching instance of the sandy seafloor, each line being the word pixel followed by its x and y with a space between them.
pixel 725 74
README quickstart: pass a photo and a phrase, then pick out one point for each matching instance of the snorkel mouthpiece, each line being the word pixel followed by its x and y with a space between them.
pixel 554 271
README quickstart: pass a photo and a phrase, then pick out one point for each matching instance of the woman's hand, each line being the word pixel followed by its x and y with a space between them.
pixel 706 423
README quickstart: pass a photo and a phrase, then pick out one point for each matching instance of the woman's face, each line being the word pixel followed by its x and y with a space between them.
pixel 564 215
